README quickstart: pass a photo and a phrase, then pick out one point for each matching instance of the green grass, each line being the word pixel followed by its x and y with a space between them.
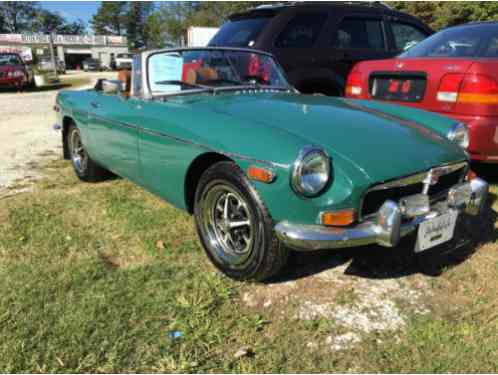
pixel 84 287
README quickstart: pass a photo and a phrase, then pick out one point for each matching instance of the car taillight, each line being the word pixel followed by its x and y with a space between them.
pixel 353 84
pixel 448 88
pixel 468 88
pixel 478 89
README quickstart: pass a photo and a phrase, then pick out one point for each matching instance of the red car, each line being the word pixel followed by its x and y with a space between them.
pixel 453 73
pixel 13 71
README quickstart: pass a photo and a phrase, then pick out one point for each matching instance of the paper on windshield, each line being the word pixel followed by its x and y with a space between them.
pixel 165 67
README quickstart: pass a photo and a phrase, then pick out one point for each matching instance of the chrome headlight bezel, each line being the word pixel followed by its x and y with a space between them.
pixel 304 188
pixel 459 134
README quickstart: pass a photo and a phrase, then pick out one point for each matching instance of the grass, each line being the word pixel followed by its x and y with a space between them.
pixel 96 278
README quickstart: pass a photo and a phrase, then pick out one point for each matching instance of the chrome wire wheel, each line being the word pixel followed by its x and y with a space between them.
pixel 78 153
pixel 229 225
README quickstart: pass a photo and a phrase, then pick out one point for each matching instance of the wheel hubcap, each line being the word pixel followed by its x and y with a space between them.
pixel 78 154
pixel 229 225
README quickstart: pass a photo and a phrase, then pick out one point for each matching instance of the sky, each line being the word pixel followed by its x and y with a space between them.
pixel 72 10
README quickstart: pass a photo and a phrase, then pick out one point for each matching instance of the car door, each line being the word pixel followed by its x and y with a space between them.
pixel 355 37
pixel 295 45
pixel 114 122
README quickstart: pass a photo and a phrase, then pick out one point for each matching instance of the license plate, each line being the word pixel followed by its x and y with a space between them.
pixel 436 231
pixel 398 88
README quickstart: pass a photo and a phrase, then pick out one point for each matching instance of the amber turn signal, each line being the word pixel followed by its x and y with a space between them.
pixel 471 175
pixel 260 174
pixel 338 218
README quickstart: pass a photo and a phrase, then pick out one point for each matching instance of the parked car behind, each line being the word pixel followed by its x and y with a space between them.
pixel 318 43
pixel 264 168
pixel 123 61
pixel 91 64
pixel 14 72
pixel 454 73
pixel 46 65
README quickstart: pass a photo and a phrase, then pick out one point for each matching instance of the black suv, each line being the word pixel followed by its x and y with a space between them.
pixel 318 43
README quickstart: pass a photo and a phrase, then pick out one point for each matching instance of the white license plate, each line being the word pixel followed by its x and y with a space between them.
pixel 436 231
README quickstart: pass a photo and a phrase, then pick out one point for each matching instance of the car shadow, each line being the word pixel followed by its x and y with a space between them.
pixel 376 262
pixel 35 89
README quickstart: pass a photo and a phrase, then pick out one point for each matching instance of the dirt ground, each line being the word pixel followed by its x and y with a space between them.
pixel 26 132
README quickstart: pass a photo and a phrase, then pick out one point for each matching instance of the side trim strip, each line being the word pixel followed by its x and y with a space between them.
pixel 191 143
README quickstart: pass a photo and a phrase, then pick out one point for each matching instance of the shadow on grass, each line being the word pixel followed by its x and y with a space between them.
pixel 376 262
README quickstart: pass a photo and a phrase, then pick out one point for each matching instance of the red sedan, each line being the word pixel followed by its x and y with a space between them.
pixel 453 72
pixel 13 71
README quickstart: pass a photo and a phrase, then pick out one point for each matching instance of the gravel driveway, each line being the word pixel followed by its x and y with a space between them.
pixel 26 132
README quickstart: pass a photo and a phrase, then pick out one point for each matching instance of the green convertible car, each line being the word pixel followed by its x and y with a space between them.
pixel 220 133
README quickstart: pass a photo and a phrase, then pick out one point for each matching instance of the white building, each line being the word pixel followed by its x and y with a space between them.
pixel 72 49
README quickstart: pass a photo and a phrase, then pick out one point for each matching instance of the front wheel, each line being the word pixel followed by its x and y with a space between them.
pixel 84 167
pixel 234 226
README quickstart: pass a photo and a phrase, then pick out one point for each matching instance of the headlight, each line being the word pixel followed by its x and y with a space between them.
pixel 311 171
pixel 459 134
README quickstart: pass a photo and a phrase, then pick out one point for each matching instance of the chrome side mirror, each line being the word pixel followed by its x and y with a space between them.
pixel 112 86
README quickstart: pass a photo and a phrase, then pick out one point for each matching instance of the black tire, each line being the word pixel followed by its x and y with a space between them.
pixel 84 167
pixel 263 256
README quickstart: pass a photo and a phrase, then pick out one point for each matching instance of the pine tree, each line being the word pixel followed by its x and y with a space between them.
pixel 111 18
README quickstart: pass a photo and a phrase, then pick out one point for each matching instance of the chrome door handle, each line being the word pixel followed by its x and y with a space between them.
pixel 95 104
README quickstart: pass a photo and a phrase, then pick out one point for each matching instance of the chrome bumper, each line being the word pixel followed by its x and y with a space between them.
pixel 385 229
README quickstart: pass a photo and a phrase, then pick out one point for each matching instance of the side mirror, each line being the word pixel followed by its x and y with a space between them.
pixel 112 86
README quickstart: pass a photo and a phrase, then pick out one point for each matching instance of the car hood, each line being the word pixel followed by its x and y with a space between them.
pixel 10 68
pixel 373 137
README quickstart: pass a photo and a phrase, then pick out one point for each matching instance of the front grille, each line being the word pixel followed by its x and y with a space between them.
pixel 374 199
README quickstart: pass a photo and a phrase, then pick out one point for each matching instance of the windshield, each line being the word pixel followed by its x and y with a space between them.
pixel 241 33
pixel 469 41
pixel 176 71
pixel 9 59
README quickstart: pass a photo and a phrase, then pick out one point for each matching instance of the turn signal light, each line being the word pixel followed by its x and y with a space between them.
pixel 468 88
pixel 338 218
pixel 260 174
pixel 471 175
pixel 353 85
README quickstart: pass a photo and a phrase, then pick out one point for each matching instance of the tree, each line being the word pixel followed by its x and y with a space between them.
pixel 18 17
pixel 110 18
pixel 46 22
pixel 136 20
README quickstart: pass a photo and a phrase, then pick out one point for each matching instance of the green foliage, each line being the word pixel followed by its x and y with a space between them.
pixel 110 18
pixel 136 20
pixel 28 17
pixel 17 15
pixel 441 14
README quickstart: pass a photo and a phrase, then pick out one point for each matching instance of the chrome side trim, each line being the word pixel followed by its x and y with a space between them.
pixel 191 143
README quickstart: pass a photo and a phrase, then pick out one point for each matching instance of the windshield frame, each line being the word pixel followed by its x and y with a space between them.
pixel 149 54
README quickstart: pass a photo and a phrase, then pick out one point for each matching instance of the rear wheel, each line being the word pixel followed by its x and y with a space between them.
pixel 234 226
pixel 84 167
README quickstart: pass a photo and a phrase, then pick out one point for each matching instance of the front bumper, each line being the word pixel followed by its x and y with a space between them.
pixel 385 229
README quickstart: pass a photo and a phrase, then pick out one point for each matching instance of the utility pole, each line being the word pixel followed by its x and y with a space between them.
pixel 52 55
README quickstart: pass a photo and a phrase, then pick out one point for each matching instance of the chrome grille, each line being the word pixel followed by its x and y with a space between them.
pixel 425 182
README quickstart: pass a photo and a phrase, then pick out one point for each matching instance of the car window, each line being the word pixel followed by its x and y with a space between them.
pixel 10 60
pixel 492 50
pixel 359 33
pixel 302 31
pixel 406 36
pixel 467 42
pixel 239 33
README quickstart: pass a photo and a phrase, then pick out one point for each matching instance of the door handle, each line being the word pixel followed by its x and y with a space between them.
pixel 95 104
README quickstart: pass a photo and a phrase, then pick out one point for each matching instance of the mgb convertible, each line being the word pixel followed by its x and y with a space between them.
pixel 220 133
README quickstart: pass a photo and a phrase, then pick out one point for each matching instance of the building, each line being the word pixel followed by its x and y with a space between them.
pixel 200 36
pixel 72 49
